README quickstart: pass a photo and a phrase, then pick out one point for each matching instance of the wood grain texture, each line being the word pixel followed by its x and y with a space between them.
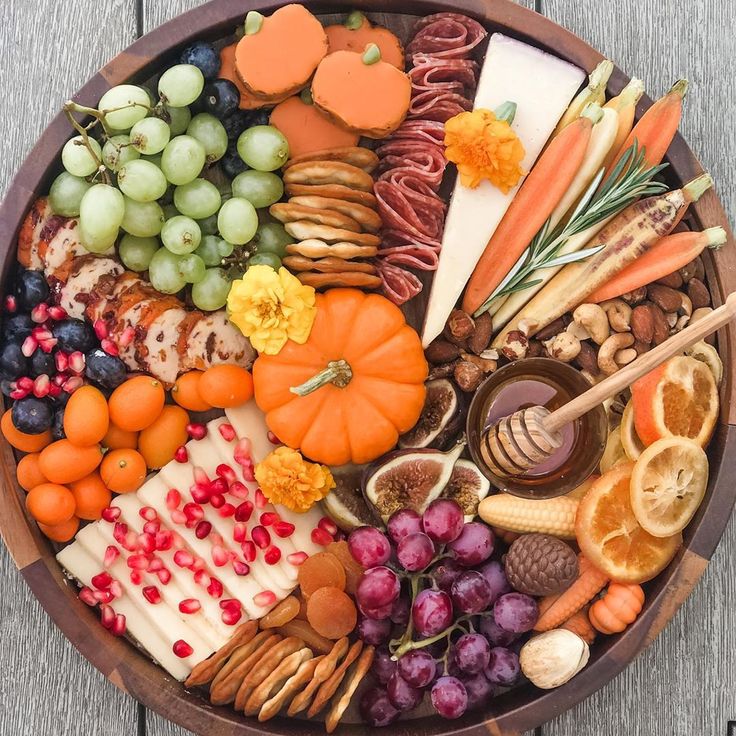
pixel 685 682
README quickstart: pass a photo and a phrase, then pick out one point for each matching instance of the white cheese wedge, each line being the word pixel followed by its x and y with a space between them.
pixel 542 87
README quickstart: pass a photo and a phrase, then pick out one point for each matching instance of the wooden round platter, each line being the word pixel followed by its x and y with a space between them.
pixel 518 710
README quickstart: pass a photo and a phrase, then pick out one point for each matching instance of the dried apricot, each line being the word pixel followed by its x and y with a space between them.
pixel 86 417
pixel 186 392
pixel 61 532
pixel 119 439
pixel 29 472
pixel 225 386
pixel 322 570
pixel 20 440
pixel 353 569
pixel 159 441
pixel 50 503
pixel 136 404
pixel 281 614
pixel 123 471
pixel 91 496
pixel 303 629
pixel 63 462
pixel 331 613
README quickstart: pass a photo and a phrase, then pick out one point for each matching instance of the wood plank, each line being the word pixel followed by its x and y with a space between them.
pixel 685 681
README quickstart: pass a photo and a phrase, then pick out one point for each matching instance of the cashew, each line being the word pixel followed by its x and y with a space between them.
pixel 619 314
pixel 577 330
pixel 565 347
pixel 625 356
pixel 593 319
pixel 607 352
pixel 698 314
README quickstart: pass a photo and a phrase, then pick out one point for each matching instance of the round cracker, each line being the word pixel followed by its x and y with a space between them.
pixel 329 172
pixel 348 278
pixel 334 191
pixel 313 248
pixel 369 219
pixel 331 264
pixel 358 156
pixel 305 230
pixel 290 212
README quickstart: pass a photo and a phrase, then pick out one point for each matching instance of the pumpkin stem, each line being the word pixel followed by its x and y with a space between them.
pixel 338 373
pixel 372 54
pixel 506 111
pixel 253 22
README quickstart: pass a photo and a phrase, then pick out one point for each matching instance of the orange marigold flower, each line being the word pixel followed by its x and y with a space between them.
pixel 484 147
pixel 286 478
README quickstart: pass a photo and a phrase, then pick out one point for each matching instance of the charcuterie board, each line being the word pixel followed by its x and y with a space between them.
pixel 257 587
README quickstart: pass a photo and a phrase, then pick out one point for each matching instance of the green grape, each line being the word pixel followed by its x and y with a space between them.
pixel 164 273
pixel 263 147
pixel 192 268
pixel 100 214
pixel 198 199
pixel 169 211
pixel 208 225
pixel 260 188
pixel 181 235
pixel 225 248
pixel 142 219
pixel 237 221
pixel 180 85
pixel 179 118
pixel 155 159
pixel 211 133
pixel 141 181
pixel 183 159
pixel 150 136
pixel 211 292
pixel 209 250
pixel 134 104
pixel 136 253
pixel 271 237
pixel 117 151
pixel 77 158
pixel 265 259
pixel 65 194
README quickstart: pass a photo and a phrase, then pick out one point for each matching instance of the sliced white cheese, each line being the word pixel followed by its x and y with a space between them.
pixel 249 421
pixel 542 87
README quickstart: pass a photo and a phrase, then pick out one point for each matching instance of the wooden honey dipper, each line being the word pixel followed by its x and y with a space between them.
pixel 522 441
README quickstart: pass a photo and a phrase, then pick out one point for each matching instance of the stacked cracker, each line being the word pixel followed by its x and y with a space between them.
pixel 331 214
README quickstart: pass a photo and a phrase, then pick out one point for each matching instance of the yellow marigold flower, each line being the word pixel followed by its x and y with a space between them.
pixel 286 478
pixel 271 308
pixel 484 147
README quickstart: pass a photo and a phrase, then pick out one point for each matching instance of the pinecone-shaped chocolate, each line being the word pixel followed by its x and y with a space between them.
pixel 538 564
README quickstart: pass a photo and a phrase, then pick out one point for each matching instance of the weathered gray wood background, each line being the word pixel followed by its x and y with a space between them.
pixel 686 682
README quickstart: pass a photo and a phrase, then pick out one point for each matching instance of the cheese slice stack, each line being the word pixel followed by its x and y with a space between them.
pixel 542 86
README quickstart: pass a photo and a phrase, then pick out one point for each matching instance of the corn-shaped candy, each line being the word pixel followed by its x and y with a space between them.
pixel 555 516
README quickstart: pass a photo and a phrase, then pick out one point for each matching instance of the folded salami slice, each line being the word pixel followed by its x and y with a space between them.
pixel 446 35
pixel 399 285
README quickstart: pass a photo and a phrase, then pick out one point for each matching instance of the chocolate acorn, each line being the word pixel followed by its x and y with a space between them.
pixel 539 564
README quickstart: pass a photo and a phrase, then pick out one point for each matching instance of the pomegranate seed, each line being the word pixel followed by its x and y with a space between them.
pixel 283 529
pixel 130 542
pixel 111 513
pixel 249 550
pixel 261 500
pixel 200 477
pixel 47 346
pixel 72 384
pixel 61 359
pixel 327 525
pixel 116 589
pixel 244 511
pixel 60 379
pixel 136 578
pixel 243 451
pixel 178 517
pixel 240 568
pixel 260 536
pixel 196 431
pixel 193 511
pixel 200 494
pixel 215 588
pixel 265 598
pixel 297 558
pixel 217 500
pixel 273 439
pixel 269 518
pixel 29 346
pixel 41 386
pixel 164 576
pixel 102 580
pixel 272 555
pixel 226 472
pixel 226 510
pixel 231 617
pixel 182 649
pixel 138 562
pixel 120 529
pixel 201 577
pixel 111 554
pixel 107 616
pixel 151 594
pixel 183 558
pixel 40 313
pixel 173 499
pixel 119 625
pixel 11 305
pixel 86 595
pixel 25 383
pixel 126 337
pixel 181 455
pixel 219 556
pixel 152 527
pixel 109 347
pixel 103 596
pixel 248 471
pixel 219 485
pixel 155 565
pixel 57 313
pixel 19 393
pixel 54 391
pixel 190 605
pixel 77 362
pixel 42 334
pixel 230 604
pixel 227 431
pixel 164 540
pixel 147 543
pixel 203 529
pixel 239 490
pixel 100 329
pixel 240 532
pixel 321 537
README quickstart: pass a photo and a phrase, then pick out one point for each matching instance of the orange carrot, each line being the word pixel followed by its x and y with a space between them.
pixel 665 257
pixel 579 624
pixel 625 105
pixel 534 203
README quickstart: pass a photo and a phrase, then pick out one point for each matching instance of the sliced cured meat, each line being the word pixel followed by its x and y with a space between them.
pixel 431 106
pixel 411 158
pixel 436 74
pixel 85 273
pixel 446 35
pixel 399 285
pixel 426 131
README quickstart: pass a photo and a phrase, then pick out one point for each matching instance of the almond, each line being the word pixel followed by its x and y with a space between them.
pixel 441 351
pixel 673 280
pixel 661 329
pixel 642 323
pixel 636 296
pixel 587 358
pixel 667 299
pixel 552 329
pixel 698 293
pixel 481 336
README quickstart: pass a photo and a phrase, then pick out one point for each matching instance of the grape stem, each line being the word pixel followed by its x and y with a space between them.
pixel 69 109
pixel 406 646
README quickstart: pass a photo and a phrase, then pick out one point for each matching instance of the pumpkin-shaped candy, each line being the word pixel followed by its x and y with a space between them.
pixel 346 394
pixel 362 92
pixel 357 32
pixel 618 608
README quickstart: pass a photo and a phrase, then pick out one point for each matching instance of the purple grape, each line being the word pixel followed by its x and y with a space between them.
pixel 516 612
pixel 479 690
pixel 472 653
pixel 471 592
pixel 495 574
pixel 402 523
pixel 369 547
pixel 415 551
pixel 376 709
pixel 443 521
pixel 446 572
pixel 431 612
pixel 401 694
pixel 495 634
pixel 449 697
pixel 381 613
pixel 373 631
pixel 503 667
pixel 401 610
pixel 418 668
pixel 378 587
pixel 474 545
pixel 383 666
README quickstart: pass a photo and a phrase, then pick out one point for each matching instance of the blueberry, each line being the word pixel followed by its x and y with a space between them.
pixel 57 425
pixel 42 363
pixel 236 123
pixel 31 415
pixel 204 57
pixel 221 98
pixel 13 363
pixel 74 334
pixel 17 327
pixel 261 116
pixel 62 399
pixel 6 387
pixel 231 162
pixel 105 370
pixel 31 289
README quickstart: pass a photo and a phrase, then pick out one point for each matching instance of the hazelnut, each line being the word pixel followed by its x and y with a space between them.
pixel 440 351
pixel 632 298
pixel 564 347
pixel 460 325
pixel 468 376
pixel 516 345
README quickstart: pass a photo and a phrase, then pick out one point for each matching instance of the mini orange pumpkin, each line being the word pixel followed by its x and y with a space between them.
pixel 347 394
pixel 357 32
pixel 618 608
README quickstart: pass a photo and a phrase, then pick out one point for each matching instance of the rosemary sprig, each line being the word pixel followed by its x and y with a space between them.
pixel 629 181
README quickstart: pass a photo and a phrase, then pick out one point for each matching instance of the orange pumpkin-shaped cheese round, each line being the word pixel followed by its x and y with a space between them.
pixel 360 380
pixel 357 32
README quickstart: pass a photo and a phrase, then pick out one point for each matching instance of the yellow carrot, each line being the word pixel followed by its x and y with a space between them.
pixel 625 105
pixel 595 93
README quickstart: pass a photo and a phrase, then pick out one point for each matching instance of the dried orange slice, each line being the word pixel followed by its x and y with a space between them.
pixel 677 399
pixel 707 354
pixel 668 485
pixel 633 446
pixel 614 452
pixel 610 536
